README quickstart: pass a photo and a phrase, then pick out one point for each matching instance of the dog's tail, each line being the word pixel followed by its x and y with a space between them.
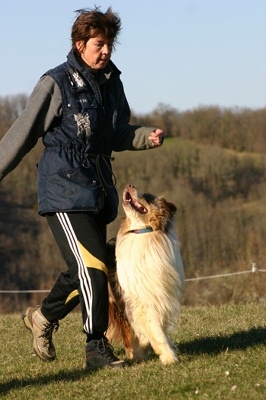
pixel 119 330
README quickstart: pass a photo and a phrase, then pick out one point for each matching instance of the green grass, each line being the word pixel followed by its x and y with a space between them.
pixel 222 356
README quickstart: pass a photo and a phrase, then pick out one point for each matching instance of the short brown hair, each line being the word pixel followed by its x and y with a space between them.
pixel 92 22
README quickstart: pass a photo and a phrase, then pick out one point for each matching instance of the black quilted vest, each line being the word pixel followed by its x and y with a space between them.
pixel 75 172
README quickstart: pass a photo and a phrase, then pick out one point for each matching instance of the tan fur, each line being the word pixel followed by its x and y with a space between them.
pixel 145 289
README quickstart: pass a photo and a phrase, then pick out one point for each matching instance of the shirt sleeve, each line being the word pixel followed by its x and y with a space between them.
pixel 44 105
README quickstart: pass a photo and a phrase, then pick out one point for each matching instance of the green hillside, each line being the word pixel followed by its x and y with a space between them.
pixel 220 193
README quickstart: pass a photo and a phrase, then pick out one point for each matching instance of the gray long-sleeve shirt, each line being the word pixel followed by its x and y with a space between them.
pixel 45 104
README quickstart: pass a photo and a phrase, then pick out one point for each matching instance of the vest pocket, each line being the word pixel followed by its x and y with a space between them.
pixel 81 176
pixel 71 190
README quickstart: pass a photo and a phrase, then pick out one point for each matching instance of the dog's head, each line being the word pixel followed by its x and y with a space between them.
pixel 146 210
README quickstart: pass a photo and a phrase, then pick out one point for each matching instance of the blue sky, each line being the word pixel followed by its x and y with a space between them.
pixel 182 53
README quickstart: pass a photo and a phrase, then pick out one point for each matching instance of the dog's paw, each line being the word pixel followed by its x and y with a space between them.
pixel 168 359
pixel 129 353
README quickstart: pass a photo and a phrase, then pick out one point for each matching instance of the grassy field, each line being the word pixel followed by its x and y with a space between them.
pixel 222 356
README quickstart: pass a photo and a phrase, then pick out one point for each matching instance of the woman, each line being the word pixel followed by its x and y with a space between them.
pixel 80 110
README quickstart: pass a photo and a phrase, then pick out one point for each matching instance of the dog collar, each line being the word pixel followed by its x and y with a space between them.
pixel 142 230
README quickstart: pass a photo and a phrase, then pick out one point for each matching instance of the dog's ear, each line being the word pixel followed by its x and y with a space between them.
pixel 172 207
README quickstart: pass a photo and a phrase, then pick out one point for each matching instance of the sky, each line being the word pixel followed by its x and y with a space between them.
pixel 183 54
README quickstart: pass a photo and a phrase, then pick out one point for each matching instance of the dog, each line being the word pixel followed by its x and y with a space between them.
pixel 147 282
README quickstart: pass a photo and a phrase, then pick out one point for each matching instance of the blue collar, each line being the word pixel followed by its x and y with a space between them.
pixel 142 230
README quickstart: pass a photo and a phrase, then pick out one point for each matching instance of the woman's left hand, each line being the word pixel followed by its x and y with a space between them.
pixel 156 137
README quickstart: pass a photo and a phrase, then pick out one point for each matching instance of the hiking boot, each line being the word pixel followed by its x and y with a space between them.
pixel 99 354
pixel 42 331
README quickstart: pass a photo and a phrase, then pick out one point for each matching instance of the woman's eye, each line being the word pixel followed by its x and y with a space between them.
pixel 101 45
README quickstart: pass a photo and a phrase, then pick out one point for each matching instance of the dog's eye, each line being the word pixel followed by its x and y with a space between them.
pixel 149 197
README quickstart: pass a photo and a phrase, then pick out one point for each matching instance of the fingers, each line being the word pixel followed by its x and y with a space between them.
pixel 156 137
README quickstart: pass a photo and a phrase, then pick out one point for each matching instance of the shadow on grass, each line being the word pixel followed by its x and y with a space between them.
pixel 66 376
pixel 217 344
pixel 208 345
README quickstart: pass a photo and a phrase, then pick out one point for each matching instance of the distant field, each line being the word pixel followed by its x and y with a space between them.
pixel 222 356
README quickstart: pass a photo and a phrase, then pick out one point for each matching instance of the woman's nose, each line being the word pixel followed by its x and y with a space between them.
pixel 106 49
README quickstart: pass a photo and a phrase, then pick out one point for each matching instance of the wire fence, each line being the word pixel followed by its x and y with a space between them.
pixel 252 270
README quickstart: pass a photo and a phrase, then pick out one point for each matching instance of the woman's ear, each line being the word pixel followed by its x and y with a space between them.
pixel 79 46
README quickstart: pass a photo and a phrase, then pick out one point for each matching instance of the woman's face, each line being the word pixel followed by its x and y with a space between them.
pixel 96 52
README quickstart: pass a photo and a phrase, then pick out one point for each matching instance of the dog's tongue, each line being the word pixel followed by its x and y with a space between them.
pixel 135 204
pixel 139 207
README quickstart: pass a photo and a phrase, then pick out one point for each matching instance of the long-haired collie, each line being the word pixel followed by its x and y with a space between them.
pixel 146 286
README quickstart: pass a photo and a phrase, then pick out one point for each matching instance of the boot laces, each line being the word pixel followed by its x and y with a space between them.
pixel 104 347
pixel 48 331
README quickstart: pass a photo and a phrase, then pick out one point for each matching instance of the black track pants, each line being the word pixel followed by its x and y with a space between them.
pixel 81 238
